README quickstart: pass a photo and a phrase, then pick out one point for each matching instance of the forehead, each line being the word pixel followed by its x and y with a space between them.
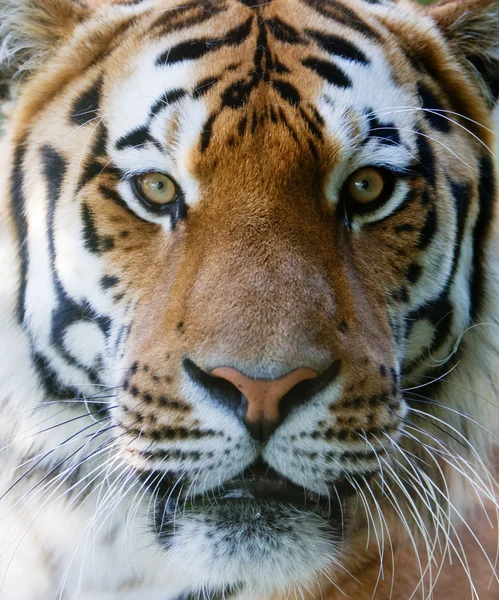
pixel 206 73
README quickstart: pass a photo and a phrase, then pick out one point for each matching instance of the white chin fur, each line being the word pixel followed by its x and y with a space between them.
pixel 267 547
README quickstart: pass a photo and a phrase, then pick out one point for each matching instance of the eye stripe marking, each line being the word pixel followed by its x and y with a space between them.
pixel 197 48
pixel 113 196
pixel 328 71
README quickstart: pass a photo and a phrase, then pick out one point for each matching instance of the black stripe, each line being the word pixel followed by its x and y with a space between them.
pixel 338 46
pixel 287 91
pixel 178 18
pixel 48 378
pixel 311 125
pixel 115 197
pixel 204 86
pixel 386 133
pixel 487 198
pixel 86 107
pixel 428 230
pixel 237 94
pixel 197 48
pixel 461 193
pixel 283 32
pixel 166 99
pixel 18 205
pixel 54 171
pixel 283 119
pixel 328 71
pixel 439 313
pixel 67 310
pixel 93 167
pixel 333 9
pixel 207 132
pixel 109 281
pixel 431 104
pixel 426 156
pixel 94 242
pixel 136 138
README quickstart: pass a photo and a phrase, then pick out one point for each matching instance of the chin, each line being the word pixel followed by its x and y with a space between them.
pixel 259 531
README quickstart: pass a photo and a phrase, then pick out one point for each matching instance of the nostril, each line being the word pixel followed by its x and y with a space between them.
pixel 261 404
pixel 219 389
pixel 306 389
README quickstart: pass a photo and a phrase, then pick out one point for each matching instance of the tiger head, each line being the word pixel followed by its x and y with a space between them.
pixel 257 223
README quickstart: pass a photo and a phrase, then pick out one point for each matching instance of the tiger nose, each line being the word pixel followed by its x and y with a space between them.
pixel 263 396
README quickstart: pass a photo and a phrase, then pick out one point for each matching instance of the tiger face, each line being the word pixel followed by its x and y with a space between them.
pixel 258 223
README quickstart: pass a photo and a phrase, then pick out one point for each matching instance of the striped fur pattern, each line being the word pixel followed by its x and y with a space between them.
pixel 117 452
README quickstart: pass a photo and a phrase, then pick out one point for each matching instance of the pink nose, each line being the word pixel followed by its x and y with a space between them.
pixel 263 395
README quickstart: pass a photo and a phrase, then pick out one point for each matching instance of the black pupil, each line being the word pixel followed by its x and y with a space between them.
pixel 160 185
pixel 364 184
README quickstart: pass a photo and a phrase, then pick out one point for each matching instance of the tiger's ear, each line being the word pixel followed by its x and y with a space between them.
pixel 31 30
pixel 471 28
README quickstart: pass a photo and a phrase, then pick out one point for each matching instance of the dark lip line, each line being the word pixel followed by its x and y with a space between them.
pixel 261 483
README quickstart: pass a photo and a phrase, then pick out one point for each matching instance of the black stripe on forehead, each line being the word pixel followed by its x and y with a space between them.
pixel 338 46
pixel 188 15
pixel 287 91
pixel 336 11
pixel 197 48
pixel 166 99
pixel 328 71
pixel 283 32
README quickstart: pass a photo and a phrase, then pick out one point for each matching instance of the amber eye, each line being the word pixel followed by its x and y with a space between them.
pixel 366 185
pixel 157 190
pixel 367 189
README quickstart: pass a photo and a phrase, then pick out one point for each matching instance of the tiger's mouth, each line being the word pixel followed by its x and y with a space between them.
pixel 261 485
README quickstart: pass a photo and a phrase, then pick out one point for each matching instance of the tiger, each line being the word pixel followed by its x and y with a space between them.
pixel 249 300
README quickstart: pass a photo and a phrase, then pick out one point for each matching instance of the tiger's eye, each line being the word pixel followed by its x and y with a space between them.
pixel 156 188
pixel 366 185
